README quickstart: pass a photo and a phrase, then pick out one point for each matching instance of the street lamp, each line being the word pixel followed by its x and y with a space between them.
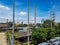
pixel 12 43
pixel 28 24
pixel 35 15
pixel 42 21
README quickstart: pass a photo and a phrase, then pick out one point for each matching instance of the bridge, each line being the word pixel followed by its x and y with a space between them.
pixel 16 28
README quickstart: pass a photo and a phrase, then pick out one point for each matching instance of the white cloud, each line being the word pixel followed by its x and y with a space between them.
pixel 4 7
pixel 3 19
pixel 23 13
pixel 6 17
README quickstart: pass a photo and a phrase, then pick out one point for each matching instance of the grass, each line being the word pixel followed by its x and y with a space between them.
pixel 10 32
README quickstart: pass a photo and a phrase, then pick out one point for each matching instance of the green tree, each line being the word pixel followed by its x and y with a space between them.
pixel 50 33
pixel 57 33
pixel 10 24
pixel 22 25
pixel 42 34
pixel 58 26
pixel 39 35
pixel 47 23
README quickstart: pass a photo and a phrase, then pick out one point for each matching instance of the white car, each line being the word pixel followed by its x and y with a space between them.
pixel 52 40
pixel 58 38
pixel 44 43
pixel 56 43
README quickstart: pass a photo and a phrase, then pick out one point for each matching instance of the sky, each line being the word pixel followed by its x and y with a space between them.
pixel 43 8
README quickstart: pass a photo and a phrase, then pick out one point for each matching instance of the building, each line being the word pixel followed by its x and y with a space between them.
pixel 2 25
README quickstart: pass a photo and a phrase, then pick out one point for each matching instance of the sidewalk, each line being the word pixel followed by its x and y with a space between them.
pixel 3 38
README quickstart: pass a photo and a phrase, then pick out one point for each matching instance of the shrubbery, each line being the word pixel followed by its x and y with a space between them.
pixel 43 34
pixel 0 30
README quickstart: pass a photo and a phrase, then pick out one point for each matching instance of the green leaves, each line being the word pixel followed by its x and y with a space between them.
pixel 44 34
pixel 39 34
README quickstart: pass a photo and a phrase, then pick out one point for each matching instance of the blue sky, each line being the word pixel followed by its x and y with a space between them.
pixel 43 8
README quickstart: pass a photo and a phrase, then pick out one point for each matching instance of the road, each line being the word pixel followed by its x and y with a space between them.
pixel 3 40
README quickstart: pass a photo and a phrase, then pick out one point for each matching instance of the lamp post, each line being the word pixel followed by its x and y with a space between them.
pixel 42 21
pixel 28 24
pixel 34 15
pixel 13 22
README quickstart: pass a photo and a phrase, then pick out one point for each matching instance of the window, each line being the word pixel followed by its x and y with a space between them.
pixel 58 44
pixel 54 44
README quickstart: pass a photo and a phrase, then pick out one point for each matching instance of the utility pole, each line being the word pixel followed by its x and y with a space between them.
pixel 13 22
pixel 7 23
pixel 42 21
pixel 8 32
pixel 52 16
pixel 28 31
pixel 34 15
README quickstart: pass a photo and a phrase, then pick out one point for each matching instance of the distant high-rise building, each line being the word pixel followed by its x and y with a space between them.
pixel 21 22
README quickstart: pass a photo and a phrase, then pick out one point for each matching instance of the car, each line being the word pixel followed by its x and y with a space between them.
pixel 56 43
pixel 44 43
pixel 58 38
pixel 52 40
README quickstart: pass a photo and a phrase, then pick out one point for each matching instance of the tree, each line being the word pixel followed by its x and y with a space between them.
pixel 22 25
pixel 50 33
pixel 58 26
pixel 57 33
pixel 42 34
pixel 39 35
pixel 47 23
pixel 10 24
pixel 38 24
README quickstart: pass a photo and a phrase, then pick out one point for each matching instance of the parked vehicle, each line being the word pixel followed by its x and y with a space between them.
pixel 44 43
pixel 58 38
pixel 52 40
pixel 56 43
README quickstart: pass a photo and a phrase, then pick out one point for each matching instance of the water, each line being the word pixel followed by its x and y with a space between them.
pixel 23 29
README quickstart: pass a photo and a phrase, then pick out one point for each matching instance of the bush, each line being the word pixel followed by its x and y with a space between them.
pixel 40 35
pixel 0 30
